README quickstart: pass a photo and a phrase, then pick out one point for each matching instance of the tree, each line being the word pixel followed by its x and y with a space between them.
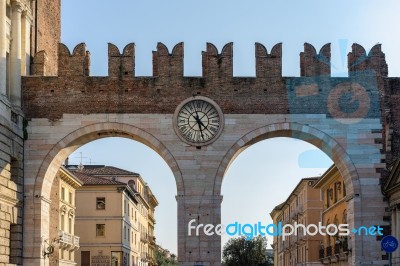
pixel 240 252
pixel 162 259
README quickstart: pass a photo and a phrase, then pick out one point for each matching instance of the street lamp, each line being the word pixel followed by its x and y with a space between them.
pixel 50 247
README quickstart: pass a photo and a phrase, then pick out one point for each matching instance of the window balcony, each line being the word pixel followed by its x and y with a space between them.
pixel 68 241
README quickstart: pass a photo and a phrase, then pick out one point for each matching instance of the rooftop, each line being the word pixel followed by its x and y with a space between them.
pixel 95 180
pixel 99 170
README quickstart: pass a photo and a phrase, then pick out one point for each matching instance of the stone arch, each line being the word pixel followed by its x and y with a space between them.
pixel 298 131
pixel 321 140
pixel 83 135
pixel 37 190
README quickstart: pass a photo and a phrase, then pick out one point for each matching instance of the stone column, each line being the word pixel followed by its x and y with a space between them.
pixel 198 249
pixel 3 47
pixel 26 43
pixel 15 63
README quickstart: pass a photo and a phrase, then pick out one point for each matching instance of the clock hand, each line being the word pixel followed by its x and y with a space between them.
pixel 201 131
pixel 198 119
pixel 199 123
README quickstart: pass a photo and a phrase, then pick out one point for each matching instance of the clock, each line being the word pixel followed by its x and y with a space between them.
pixel 198 121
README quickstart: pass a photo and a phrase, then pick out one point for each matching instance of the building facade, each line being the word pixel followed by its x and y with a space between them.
pixel 391 190
pixel 334 249
pixel 303 206
pixel 115 217
pixel 15 21
pixel 63 239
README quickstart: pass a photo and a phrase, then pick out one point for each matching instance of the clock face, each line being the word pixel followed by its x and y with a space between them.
pixel 198 121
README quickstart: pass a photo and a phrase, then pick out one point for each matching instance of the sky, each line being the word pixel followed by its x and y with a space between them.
pixel 264 174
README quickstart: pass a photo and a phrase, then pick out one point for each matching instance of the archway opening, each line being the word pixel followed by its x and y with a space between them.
pixel 264 175
pixel 298 205
pixel 40 193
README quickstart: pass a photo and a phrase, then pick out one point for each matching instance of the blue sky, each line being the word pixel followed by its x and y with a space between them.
pixel 265 173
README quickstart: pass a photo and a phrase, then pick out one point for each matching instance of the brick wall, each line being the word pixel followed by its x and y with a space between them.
pixel 46 34
pixel 391 118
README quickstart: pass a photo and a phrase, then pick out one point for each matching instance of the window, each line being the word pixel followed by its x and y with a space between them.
pixel 100 229
pixel 8 11
pixel 344 190
pixel 100 203
pixel 63 193
pixel 62 221
pixel 8 73
pixel 132 184
pixel 15 233
pixel 70 197
pixel 70 225
pixel 327 198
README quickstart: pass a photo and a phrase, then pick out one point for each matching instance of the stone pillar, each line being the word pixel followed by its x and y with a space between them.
pixel 198 249
pixel 26 43
pixel 3 47
pixel 36 239
pixel 15 80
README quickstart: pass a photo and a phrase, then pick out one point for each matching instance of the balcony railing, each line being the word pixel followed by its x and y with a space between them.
pixel 151 216
pixel 328 251
pixel 152 239
pixel 298 210
pixel 144 237
pixel 337 249
pixel 321 253
pixel 68 241
pixel 144 256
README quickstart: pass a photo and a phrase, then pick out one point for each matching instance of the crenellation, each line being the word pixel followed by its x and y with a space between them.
pixel 358 61
pixel 166 64
pixel 121 65
pixel 313 64
pixel 268 65
pixel 215 65
pixel 77 64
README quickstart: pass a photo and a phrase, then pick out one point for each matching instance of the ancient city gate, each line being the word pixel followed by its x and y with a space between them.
pixel 341 116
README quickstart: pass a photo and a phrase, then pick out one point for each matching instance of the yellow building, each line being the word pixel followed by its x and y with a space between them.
pixel 152 246
pixel 334 249
pixel 303 206
pixel 115 217
pixel 62 219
